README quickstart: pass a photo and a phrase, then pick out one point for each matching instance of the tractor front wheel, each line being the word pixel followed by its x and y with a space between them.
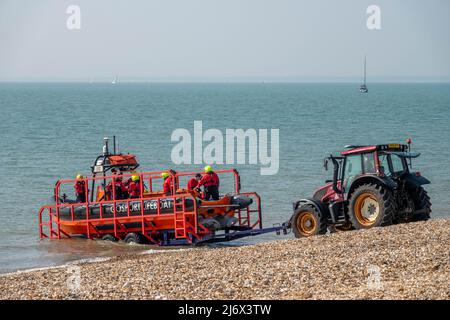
pixel 308 221
pixel 370 206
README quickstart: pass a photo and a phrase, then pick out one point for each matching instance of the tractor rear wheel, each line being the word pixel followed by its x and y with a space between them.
pixel 422 205
pixel 370 206
pixel 308 221
pixel 134 237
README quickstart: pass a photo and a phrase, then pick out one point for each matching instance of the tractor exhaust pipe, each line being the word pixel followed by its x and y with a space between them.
pixel 335 174
pixel 409 141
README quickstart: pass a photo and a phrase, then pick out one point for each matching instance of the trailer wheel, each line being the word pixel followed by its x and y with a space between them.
pixel 422 204
pixel 308 221
pixel 109 237
pixel 371 206
pixel 134 237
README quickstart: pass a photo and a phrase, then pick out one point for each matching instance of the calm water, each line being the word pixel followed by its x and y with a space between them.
pixel 52 131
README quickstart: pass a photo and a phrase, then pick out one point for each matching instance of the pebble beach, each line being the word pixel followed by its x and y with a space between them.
pixel 407 261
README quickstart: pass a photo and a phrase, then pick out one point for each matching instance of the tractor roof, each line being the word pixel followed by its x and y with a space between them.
pixel 352 149
pixel 409 155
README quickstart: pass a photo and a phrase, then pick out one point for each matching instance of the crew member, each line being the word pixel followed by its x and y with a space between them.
pixel 80 188
pixel 128 181
pixel 134 187
pixel 120 188
pixel 167 185
pixel 193 183
pixel 210 181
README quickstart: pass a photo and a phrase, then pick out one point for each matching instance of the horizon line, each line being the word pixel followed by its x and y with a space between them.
pixel 223 81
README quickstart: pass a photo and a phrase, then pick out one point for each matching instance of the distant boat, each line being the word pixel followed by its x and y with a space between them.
pixel 363 87
pixel 115 80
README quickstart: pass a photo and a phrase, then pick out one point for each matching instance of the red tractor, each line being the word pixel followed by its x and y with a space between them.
pixel 372 186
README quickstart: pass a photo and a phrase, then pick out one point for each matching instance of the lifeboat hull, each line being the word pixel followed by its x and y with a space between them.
pixel 129 216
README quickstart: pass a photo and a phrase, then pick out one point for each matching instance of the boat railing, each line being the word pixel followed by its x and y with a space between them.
pixel 147 181
pixel 250 216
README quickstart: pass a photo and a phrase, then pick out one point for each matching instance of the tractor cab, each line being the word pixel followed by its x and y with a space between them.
pixel 385 162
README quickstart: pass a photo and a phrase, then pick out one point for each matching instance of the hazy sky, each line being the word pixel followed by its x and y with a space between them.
pixel 224 39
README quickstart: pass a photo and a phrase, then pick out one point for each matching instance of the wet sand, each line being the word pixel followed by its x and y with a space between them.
pixel 408 261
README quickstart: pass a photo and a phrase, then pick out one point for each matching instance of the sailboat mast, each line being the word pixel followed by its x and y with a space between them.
pixel 365 70
pixel 363 87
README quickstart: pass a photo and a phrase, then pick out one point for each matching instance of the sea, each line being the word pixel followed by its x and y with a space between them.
pixel 51 131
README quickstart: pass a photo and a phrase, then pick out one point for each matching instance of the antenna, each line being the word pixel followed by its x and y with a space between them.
pixel 105 146
pixel 114 144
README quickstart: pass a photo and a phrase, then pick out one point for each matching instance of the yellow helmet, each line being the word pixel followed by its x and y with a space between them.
pixel 208 169
pixel 135 178
pixel 165 175
pixel 79 176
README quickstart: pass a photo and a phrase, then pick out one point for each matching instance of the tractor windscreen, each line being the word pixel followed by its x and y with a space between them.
pixel 393 163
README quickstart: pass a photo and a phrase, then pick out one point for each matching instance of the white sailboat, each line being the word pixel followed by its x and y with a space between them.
pixel 115 80
pixel 363 87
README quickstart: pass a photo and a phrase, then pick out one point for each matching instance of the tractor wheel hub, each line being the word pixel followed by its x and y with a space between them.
pixel 367 209
pixel 370 209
